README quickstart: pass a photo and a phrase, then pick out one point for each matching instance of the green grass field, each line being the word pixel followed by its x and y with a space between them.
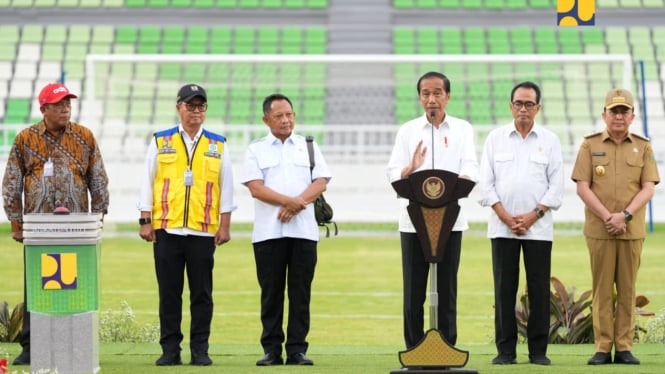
pixel 356 303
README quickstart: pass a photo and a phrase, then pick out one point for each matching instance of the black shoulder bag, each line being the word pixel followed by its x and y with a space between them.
pixel 322 210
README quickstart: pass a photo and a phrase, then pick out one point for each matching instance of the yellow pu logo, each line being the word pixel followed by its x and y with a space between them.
pixel 59 271
pixel 576 12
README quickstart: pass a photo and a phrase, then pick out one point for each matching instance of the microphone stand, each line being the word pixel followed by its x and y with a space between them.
pixel 433 269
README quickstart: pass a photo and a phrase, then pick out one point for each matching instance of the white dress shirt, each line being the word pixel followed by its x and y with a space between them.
pixel 454 151
pixel 145 203
pixel 284 168
pixel 521 173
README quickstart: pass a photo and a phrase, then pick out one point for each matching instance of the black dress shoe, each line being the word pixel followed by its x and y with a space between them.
pixel 23 358
pixel 200 359
pixel 169 359
pixel 625 357
pixel 504 360
pixel 539 360
pixel 270 359
pixel 299 359
pixel 600 358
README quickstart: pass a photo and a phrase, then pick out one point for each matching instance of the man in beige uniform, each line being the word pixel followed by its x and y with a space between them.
pixel 615 174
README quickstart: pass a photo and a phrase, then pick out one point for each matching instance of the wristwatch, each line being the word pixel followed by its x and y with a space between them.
pixel 144 221
pixel 539 212
pixel 629 216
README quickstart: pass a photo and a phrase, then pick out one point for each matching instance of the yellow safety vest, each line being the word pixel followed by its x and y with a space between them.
pixel 196 206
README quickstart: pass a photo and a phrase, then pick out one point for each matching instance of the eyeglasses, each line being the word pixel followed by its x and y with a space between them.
pixel 528 105
pixel 623 111
pixel 279 116
pixel 192 107
pixel 60 105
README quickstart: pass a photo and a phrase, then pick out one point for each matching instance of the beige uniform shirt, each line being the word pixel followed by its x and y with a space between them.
pixel 615 173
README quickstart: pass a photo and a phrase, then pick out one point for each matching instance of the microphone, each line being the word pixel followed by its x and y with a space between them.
pixel 432 115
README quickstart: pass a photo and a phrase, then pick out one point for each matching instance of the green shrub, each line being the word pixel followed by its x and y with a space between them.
pixel 10 324
pixel 655 330
pixel 570 320
pixel 121 327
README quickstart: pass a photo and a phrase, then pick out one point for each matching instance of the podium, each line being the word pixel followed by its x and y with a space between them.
pixel 62 283
pixel 433 210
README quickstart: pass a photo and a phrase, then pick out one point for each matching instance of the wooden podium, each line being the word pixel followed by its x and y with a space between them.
pixel 433 210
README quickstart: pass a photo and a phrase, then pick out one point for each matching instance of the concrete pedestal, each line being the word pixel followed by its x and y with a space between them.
pixel 69 344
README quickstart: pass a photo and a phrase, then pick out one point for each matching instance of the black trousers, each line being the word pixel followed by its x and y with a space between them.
pixel 279 263
pixel 415 272
pixel 173 255
pixel 506 268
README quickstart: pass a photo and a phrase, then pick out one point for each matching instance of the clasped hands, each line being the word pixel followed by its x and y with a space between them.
pixel 293 206
pixel 615 224
pixel 519 224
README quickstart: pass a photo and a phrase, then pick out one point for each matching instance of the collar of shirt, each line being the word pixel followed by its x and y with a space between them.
pixel 189 142
pixel 426 122
pixel 606 136
pixel 272 139
pixel 535 130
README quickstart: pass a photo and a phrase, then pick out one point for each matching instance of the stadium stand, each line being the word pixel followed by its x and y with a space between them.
pixel 41 38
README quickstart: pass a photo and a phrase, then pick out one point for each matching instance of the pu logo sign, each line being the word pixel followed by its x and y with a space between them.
pixel 59 271
pixel 576 12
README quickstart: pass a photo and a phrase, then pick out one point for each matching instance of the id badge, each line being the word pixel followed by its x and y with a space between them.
pixel 48 168
pixel 189 178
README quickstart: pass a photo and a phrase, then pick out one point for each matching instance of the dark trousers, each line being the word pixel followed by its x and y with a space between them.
pixel 173 254
pixel 280 262
pixel 415 271
pixel 506 268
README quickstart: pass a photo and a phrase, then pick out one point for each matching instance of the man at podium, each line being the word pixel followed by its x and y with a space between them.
pixel 53 163
pixel 435 140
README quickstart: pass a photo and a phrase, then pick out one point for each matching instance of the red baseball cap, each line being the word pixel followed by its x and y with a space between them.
pixel 53 93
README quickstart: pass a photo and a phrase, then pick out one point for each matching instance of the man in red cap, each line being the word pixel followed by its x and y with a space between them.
pixel 52 164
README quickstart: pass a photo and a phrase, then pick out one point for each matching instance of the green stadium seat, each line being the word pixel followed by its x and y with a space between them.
pixel 495 4
pixel 516 4
pixel 79 34
pixel 653 3
pixel 542 4
pixel 249 4
pixel 317 4
pixel 607 4
pixel 18 110
pixel 294 4
pixel 181 3
pixel 158 3
pixel 126 35
pixel 449 4
pixel 22 3
pixel 7 51
pixel 203 4
pixel 545 39
pixel 135 3
pixel 403 4
pixel 472 4
pixel 227 3
pixel 630 3
pixel 426 4
pixel 53 52
pixel 32 34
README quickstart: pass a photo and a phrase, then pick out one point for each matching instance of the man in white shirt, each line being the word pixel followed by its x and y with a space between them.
pixel 521 178
pixel 278 175
pixel 435 140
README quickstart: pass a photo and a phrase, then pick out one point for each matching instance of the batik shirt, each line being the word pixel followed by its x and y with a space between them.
pixel 77 169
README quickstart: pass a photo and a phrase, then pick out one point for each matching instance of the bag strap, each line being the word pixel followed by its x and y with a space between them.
pixel 310 151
